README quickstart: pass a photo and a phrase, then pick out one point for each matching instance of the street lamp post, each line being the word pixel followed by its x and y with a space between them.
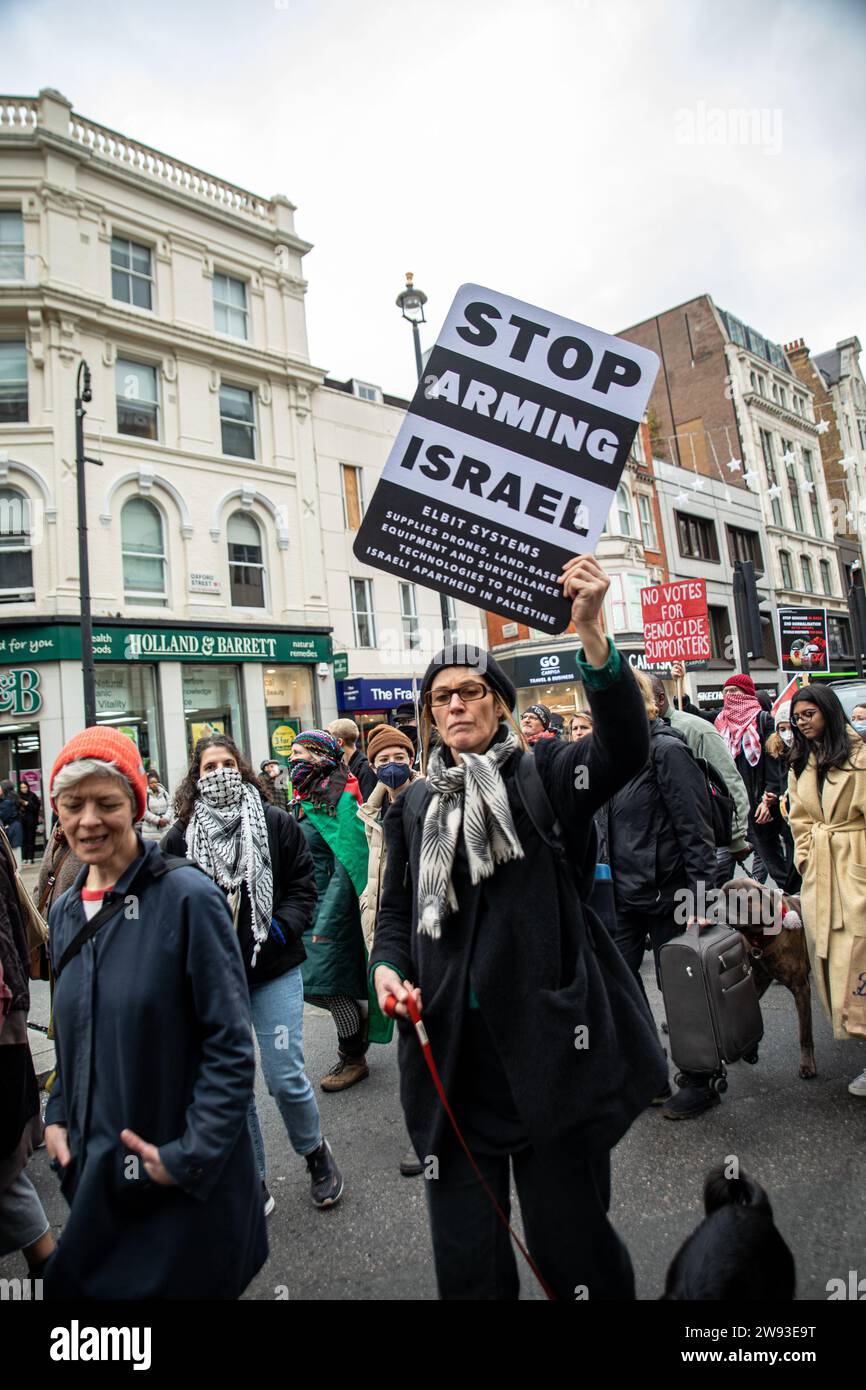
pixel 83 395
pixel 410 302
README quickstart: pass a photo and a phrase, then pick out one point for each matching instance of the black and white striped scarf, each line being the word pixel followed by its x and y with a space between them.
pixel 472 793
pixel 228 838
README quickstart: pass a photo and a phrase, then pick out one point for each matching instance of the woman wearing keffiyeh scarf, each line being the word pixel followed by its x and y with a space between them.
pixel 745 728
pixel 325 800
pixel 258 856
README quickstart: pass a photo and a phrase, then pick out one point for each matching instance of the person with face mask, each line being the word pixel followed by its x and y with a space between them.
pixel 777 748
pixel 858 719
pixel 325 802
pixel 391 753
pixel 257 855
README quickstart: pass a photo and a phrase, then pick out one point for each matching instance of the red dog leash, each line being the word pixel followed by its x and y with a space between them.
pixel 421 1031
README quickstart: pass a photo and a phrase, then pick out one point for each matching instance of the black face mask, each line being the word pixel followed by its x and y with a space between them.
pixel 411 732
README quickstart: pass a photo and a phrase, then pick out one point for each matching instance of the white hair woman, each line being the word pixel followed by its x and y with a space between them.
pixel 146 1123
pixel 483 916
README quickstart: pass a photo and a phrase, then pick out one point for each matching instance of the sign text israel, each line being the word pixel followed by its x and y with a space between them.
pixel 507 461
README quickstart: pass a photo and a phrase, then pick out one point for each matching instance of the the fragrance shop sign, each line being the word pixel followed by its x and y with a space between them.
pixel 61 643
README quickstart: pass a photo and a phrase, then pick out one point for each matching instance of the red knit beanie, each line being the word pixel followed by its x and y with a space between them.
pixel 744 683
pixel 102 742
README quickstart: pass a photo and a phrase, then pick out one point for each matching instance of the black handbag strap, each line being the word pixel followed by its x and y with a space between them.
pixel 536 804
pixel 157 867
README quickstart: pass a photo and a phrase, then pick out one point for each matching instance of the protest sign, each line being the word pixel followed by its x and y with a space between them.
pixel 803 639
pixel 675 622
pixel 508 458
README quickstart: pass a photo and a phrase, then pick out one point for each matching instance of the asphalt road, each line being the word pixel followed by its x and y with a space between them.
pixel 804 1140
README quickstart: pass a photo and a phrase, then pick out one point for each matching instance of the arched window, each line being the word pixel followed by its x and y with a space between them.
pixel 623 510
pixel 246 566
pixel 16 554
pixel 143 554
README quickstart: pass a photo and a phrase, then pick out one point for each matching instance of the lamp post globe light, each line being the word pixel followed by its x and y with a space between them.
pixel 410 301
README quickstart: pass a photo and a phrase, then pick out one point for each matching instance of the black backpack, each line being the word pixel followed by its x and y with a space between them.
pixel 721 804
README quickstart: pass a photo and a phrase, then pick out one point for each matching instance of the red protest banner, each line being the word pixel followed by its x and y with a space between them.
pixel 675 622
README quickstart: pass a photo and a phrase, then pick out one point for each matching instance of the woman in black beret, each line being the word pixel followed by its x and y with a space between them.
pixel 545 1047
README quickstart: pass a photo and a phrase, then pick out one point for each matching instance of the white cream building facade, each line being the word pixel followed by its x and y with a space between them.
pixel 228 472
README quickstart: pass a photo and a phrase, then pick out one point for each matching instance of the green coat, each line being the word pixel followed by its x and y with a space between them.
pixel 335 961
pixel 336 957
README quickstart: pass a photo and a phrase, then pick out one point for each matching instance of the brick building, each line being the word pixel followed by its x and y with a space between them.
pixel 727 405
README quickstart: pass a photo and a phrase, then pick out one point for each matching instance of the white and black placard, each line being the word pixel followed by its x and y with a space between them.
pixel 508 458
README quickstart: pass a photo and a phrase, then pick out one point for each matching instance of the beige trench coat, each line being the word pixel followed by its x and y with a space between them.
pixel 372 813
pixel 829 830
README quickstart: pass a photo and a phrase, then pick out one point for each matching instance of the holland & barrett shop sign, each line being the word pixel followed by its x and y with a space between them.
pixel 62 643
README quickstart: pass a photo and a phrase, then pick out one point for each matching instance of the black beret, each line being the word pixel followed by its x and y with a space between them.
pixel 475 659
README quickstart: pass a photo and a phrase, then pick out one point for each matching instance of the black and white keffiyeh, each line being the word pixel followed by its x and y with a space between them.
pixel 471 793
pixel 228 838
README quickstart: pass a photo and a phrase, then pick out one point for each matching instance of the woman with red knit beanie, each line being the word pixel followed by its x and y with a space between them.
pixel 146 1123
pixel 745 726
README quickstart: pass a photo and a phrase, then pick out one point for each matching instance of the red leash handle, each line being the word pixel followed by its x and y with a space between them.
pixel 390 1006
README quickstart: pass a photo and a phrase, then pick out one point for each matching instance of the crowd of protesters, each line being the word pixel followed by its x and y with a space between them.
pixel 454 864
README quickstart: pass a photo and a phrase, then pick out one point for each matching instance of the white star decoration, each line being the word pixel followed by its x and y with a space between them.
pixel 788 457
pixel 774 492
pixel 849 516
pixel 847 463
pixel 750 478
pixel 734 465
pixel 699 483
pixel 681 496
pixel 823 427
pixel 808 487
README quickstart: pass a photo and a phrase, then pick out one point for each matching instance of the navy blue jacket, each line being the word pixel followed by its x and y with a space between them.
pixel 10 819
pixel 152 1031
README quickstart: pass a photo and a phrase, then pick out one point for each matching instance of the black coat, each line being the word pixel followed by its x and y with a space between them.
pixel 360 768
pixel 294 896
pixel 768 774
pixel 521 937
pixel 660 835
pixel 20 1118
pixel 153 1033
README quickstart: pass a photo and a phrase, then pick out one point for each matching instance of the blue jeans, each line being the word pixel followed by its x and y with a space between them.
pixel 277 1010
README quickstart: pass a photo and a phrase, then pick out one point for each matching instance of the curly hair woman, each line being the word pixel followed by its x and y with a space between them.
pixel 256 854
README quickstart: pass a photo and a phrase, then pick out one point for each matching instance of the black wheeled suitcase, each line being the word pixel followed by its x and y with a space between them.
pixel 710 998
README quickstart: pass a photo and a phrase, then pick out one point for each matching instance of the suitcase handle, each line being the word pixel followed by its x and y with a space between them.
pixel 697 924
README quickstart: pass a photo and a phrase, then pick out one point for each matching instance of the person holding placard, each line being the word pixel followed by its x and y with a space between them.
pixel 543 1042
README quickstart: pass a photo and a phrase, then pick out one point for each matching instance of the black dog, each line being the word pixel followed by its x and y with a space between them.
pixel 736 1254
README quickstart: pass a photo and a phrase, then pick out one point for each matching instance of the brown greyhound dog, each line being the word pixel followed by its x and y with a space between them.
pixel 770 923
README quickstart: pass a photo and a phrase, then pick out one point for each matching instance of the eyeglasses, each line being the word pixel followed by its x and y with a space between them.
pixel 466 693
pixel 803 718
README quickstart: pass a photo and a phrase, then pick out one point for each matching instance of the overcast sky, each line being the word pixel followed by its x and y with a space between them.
pixel 567 152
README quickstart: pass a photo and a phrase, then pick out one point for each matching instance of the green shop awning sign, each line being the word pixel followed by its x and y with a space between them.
pixel 63 643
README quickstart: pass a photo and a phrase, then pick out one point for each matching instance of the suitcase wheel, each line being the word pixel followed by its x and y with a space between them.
pixel 719 1084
